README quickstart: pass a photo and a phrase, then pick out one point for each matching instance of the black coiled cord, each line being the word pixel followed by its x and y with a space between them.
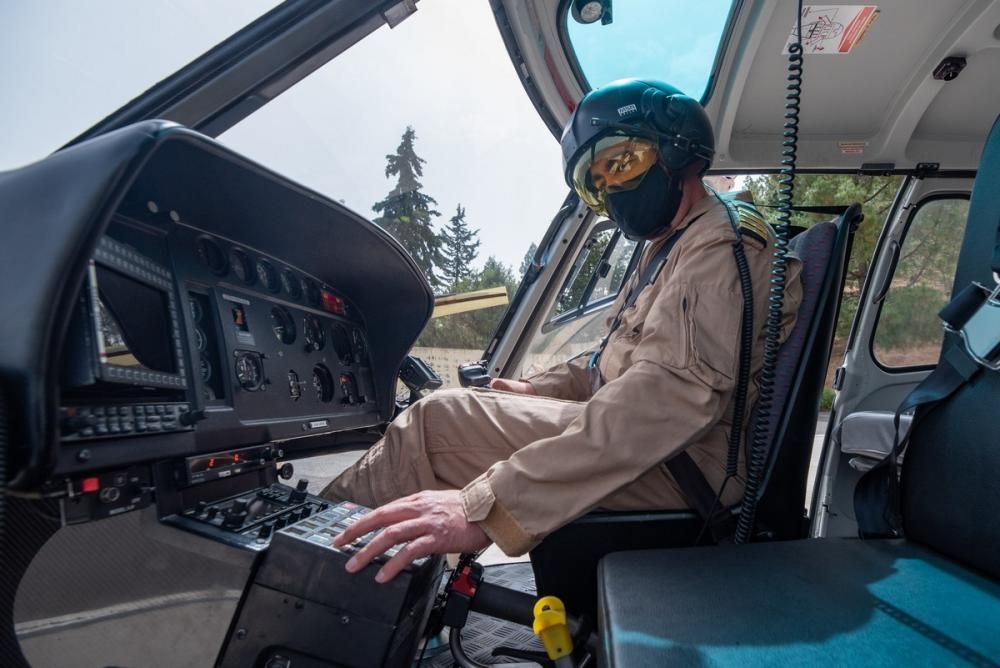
pixel 746 353
pixel 760 445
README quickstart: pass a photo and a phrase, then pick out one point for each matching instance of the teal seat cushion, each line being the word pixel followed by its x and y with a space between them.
pixel 809 602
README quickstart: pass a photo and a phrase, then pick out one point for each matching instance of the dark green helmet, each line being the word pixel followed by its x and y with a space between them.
pixel 647 108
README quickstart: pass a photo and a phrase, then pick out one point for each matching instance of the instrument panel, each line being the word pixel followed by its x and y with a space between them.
pixel 184 333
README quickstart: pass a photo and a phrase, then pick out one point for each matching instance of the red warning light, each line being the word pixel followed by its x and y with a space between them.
pixel 333 303
pixel 211 463
pixel 236 457
pixel 90 485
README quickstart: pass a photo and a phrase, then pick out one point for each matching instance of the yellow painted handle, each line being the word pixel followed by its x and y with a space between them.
pixel 550 626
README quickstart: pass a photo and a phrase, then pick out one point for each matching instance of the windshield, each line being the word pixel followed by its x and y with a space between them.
pixel 68 64
pixel 671 40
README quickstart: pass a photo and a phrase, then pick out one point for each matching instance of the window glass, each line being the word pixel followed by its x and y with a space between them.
pixel 671 40
pixel 425 129
pixel 909 332
pixel 69 64
pixel 598 272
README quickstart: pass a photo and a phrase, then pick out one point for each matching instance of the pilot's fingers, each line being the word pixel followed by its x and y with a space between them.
pixel 383 540
pixel 391 513
pixel 415 549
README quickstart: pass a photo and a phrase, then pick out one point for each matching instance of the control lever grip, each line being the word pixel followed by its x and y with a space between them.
pixel 473 374
pixel 418 375
pixel 504 603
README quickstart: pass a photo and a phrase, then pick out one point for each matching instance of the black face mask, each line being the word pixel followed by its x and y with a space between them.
pixel 645 212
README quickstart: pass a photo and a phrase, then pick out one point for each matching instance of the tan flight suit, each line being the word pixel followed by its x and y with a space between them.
pixel 526 465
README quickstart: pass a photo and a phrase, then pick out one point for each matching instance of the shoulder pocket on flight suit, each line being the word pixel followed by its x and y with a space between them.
pixel 715 336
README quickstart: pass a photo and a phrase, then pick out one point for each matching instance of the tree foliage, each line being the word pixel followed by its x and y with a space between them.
pixel 472 329
pixel 874 193
pixel 407 212
pixel 459 249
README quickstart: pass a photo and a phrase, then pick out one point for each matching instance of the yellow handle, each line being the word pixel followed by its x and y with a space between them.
pixel 550 626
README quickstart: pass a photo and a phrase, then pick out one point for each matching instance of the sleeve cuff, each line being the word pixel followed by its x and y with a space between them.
pixel 481 506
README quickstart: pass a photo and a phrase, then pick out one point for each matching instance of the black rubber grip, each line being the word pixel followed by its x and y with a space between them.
pixel 503 603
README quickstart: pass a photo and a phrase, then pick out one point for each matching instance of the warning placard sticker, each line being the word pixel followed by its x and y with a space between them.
pixel 833 29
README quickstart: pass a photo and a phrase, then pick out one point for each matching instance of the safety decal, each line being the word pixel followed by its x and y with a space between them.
pixel 852 147
pixel 833 29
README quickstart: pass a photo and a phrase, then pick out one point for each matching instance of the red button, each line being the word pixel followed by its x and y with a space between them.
pixel 333 303
pixel 90 485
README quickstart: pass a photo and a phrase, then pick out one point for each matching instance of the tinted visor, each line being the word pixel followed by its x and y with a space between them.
pixel 614 163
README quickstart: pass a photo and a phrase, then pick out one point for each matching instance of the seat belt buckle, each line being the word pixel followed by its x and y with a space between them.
pixel 981 332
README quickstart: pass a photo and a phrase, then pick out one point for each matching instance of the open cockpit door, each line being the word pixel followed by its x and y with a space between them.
pixel 252 67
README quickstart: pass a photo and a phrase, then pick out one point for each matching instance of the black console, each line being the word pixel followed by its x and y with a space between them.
pixel 304 609
pixel 250 519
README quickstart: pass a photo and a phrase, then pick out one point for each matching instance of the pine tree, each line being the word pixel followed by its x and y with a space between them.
pixel 459 247
pixel 529 258
pixel 406 212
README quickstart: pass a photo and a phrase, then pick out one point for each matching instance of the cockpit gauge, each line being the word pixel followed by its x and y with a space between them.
pixel 268 276
pixel 323 383
pixel 313 294
pixel 212 256
pixel 283 325
pixel 200 339
pixel 205 369
pixel 249 370
pixel 342 344
pixel 312 330
pixel 290 284
pixel 195 307
pixel 240 265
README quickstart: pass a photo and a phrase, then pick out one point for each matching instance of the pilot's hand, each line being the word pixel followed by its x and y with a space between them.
pixel 431 522
pixel 519 386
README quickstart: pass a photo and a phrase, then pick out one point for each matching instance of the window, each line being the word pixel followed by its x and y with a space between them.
pixel 396 128
pixel 69 64
pixel 577 323
pixel 909 332
pixel 671 40
pixel 598 272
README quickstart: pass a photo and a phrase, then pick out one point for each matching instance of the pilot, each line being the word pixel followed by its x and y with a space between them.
pixel 466 467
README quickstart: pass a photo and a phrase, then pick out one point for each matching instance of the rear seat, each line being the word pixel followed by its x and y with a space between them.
pixel 932 598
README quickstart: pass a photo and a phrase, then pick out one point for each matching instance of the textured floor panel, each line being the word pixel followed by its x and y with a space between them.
pixel 481 634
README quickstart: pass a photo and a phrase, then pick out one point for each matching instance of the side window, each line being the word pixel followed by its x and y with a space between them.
pixel 577 322
pixel 598 272
pixel 908 332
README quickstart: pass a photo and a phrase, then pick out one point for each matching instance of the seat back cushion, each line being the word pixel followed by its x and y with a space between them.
pixel 951 474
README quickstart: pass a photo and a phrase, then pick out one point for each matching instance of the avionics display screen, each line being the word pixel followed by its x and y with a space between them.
pixel 134 323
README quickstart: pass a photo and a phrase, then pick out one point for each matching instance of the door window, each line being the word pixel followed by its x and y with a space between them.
pixel 577 322
pixel 597 274
pixel 908 333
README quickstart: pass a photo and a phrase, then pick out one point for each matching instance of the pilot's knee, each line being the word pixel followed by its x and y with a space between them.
pixel 441 405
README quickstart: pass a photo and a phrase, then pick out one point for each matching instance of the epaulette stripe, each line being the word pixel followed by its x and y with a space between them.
pixel 753 224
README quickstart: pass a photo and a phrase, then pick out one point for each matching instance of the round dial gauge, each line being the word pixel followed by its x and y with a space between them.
pixel 249 371
pixel 205 368
pixel 195 306
pixel 213 256
pixel 283 324
pixel 199 338
pixel 240 264
pixel 290 284
pixel 323 383
pixel 313 332
pixel 268 276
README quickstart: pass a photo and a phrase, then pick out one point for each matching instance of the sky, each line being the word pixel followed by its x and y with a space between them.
pixel 444 71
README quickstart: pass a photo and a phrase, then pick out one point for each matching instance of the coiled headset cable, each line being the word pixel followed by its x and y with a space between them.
pixel 760 443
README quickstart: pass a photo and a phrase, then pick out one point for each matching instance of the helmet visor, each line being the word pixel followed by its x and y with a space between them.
pixel 614 163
